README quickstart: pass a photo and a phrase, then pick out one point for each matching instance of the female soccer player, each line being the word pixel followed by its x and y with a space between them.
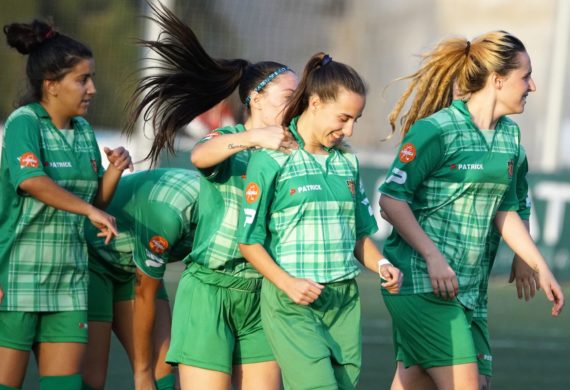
pixel 305 218
pixel 155 212
pixel 217 337
pixel 51 178
pixel 452 179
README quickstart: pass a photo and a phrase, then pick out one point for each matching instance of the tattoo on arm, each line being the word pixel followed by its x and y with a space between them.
pixel 234 146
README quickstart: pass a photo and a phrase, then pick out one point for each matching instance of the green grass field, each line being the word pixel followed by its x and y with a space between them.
pixel 531 349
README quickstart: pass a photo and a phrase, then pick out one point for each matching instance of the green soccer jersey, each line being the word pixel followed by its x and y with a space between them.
pixel 156 221
pixel 221 190
pixel 455 181
pixel 495 237
pixel 308 217
pixel 43 256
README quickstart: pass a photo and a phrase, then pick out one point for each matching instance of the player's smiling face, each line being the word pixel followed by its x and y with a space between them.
pixel 335 119
pixel 516 86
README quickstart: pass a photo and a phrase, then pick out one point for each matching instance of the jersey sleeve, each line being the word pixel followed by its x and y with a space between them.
pixel 211 173
pixel 259 191
pixel 522 190
pixel 365 222
pixel 421 151
pixel 158 229
pixel 22 142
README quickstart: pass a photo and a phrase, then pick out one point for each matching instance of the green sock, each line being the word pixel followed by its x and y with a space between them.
pixel 166 382
pixel 64 382
pixel 4 387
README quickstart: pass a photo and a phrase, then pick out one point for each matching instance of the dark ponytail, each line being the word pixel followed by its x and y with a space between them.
pixel 186 82
pixel 51 54
pixel 322 77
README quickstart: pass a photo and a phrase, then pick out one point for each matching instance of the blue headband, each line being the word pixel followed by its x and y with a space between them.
pixel 266 81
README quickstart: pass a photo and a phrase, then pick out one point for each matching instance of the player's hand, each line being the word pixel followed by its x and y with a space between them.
pixel 104 222
pixel 443 278
pixel 302 291
pixel 144 381
pixel 526 279
pixel 119 158
pixel 274 138
pixel 392 277
pixel 552 290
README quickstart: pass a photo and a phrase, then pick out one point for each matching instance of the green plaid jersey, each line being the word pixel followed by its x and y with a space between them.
pixel 155 217
pixel 43 256
pixel 495 237
pixel 221 190
pixel 455 182
pixel 307 218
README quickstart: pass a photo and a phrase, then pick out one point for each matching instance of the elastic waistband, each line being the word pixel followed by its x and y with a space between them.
pixel 220 279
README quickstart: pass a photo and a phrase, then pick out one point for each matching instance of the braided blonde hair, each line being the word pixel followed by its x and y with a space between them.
pixel 455 68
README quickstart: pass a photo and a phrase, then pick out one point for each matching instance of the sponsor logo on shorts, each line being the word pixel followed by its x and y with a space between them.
pixel 29 160
pixel 351 186
pixel 158 244
pixel 398 176
pixel 407 153
pixel 249 216
pixel 252 192
pixel 482 356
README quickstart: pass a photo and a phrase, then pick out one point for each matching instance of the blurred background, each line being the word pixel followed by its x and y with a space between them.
pixel 382 39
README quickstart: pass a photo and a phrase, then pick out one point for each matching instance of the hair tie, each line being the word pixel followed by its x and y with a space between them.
pixel 467 48
pixel 326 59
pixel 266 81
pixel 49 34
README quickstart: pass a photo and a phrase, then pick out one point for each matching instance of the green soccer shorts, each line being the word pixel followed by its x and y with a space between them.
pixel 216 321
pixel 317 346
pixel 109 285
pixel 21 330
pixel 480 332
pixel 429 331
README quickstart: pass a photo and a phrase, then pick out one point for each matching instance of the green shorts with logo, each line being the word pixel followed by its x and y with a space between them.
pixel 429 331
pixel 216 321
pixel 480 332
pixel 317 346
pixel 108 285
pixel 21 330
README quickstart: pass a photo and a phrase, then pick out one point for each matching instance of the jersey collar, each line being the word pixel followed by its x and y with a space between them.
pixel 41 112
pixel 461 106
pixel 298 138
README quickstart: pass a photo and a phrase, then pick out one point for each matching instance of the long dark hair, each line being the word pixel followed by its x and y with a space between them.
pixel 322 77
pixel 186 81
pixel 51 55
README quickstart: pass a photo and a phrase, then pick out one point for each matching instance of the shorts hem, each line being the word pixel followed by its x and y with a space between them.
pixel 12 345
pixel 258 359
pixel 441 362
pixel 199 364
pixel 80 340
pixel 99 319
